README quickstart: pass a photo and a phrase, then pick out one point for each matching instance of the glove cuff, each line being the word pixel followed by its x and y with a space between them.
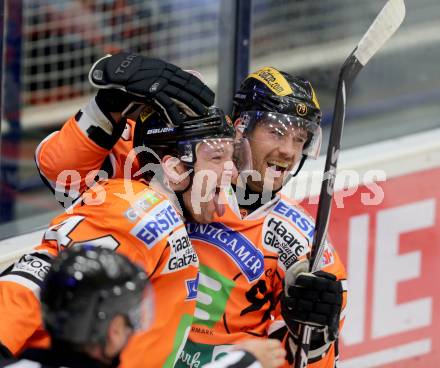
pixel 98 127
pixel 319 343
pixel 92 115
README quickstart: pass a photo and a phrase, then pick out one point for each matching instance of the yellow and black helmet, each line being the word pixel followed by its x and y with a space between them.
pixel 271 90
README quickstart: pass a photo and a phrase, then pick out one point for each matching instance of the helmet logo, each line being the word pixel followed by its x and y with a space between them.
pixel 273 79
pixel 301 109
pixel 159 130
pixel 146 112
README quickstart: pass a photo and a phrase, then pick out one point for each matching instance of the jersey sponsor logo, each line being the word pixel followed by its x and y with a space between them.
pixel 197 355
pixel 157 224
pixel 191 288
pixel 182 253
pixel 32 267
pixel 147 200
pixel 213 294
pixel 328 257
pixel 247 257
pixel 281 237
pixel 177 263
pixel 202 330
pixel 295 216
pixel 194 355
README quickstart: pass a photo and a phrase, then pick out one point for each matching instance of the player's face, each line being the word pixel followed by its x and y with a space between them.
pixel 275 152
pixel 213 169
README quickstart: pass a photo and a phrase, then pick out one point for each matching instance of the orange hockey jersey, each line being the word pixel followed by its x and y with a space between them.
pixel 144 226
pixel 242 265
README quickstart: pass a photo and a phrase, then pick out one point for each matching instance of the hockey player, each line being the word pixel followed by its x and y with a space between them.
pixel 93 300
pixel 144 223
pixel 245 254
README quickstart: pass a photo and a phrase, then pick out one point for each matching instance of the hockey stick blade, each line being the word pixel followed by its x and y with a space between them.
pixel 386 23
pixel 383 27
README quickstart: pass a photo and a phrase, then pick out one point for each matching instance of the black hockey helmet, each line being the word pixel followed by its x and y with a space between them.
pixel 272 96
pixel 215 128
pixel 271 90
pixel 86 288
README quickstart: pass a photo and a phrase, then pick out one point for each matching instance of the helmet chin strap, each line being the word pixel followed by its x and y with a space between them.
pixel 184 190
pixel 179 194
pixel 290 175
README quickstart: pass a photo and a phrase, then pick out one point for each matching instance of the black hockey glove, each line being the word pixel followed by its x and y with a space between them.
pixel 314 299
pixel 153 81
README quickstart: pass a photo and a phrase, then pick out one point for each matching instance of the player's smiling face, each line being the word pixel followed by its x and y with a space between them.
pixel 213 169
pixel 275 152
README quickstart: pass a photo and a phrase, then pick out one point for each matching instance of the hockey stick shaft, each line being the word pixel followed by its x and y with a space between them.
pixel 383 27
pixel 347 75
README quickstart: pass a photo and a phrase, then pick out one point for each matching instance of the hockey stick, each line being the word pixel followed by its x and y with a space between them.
pixel 383 27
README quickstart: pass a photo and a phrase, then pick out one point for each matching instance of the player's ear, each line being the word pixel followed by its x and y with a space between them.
pixel 118 334
pixel 176 173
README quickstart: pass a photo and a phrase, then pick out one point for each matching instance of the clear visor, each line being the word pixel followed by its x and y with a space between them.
pixel 215 149
pixel 282 129
pixel 218 151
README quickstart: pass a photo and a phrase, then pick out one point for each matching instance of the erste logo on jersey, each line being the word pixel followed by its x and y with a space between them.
pixel 248 258
pixel 281 237
pixel 182 253
pixel 156 224
pixel 294 215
